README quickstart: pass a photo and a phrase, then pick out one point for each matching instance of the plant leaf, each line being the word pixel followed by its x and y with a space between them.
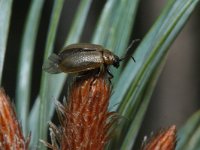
pixel 5 12
pixel 79 22
pixel 117 15
pixel 43 94
pixel 26 61
pixel 152 49
pixel 49 92
pixel 142 103
pixel 34 124
pixel 189 134
pixel 148 55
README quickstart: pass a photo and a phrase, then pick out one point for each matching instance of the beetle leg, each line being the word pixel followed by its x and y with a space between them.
pixel 110 74
pixel 102 68
pixel 87 73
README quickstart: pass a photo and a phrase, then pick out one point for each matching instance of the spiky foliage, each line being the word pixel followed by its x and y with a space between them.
pixel 84 120
pixel 11 136
pixel 163 140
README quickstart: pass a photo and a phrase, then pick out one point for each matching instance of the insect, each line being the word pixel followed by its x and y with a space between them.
pixel 77 58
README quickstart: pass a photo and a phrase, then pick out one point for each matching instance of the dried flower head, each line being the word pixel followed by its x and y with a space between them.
pixel 85 120
pixel 164 140
pixel 11 137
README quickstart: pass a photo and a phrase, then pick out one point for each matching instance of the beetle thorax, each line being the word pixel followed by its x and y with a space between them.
pixel 110 59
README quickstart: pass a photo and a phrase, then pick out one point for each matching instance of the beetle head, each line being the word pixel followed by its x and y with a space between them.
pixel 116 61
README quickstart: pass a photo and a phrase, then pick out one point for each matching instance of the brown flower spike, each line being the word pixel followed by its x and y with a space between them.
pixel 85 120
pixel 164 140
pixel 11 137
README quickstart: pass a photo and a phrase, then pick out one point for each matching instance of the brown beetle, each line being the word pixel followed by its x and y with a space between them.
pixel 77 58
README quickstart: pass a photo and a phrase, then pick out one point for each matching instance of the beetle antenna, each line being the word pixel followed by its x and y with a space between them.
pixel 128 50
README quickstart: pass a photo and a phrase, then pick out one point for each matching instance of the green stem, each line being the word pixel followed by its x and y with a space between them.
pixel 5 12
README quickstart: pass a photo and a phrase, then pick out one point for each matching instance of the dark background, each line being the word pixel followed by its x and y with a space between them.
pixel 177 94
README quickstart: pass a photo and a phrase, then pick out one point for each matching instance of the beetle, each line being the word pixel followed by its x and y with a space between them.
pixel 82 57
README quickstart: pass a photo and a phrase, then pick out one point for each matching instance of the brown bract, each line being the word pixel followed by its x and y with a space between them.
pixel 85 120
pixel 164 140
pixel 11 137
